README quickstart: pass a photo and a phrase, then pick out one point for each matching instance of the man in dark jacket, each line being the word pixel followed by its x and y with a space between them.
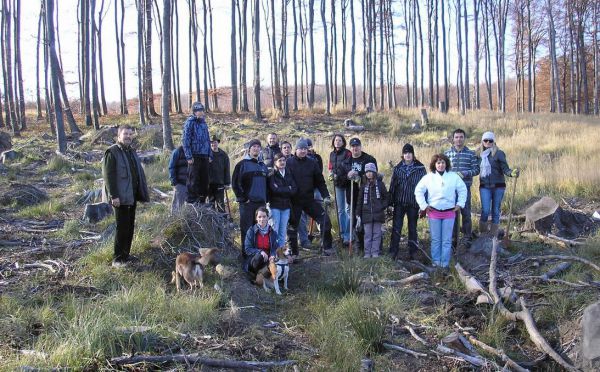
pixel 196 146
pixel 178 174
pixel 352 170
pixel 405 177
pixel 303 227
pixel 249 183
pixel 124 186
pixel 218 174
pixel 270 150
pixel 308 177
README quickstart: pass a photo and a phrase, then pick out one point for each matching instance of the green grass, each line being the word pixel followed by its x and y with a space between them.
pixel 46 210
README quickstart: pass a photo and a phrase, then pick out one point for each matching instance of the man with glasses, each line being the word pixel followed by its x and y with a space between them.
pixel 464 162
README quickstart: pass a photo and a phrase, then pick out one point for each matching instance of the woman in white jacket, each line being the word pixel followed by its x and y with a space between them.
pixel 440 205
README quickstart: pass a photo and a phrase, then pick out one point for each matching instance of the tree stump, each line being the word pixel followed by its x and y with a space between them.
pixel 590 327
pixel 8 156
pixel 547 217
pixel 416 126
pixel 442 107
pixel 424 118
pixel 5 141
pixel 349 123
pixel 96 212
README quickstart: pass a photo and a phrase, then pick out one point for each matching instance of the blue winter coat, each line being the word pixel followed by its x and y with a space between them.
pixel 196 140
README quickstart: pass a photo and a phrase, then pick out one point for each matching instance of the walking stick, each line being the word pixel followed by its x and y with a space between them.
pixel 351 217
pixel 228 206
pixel 337 214
pixel 506 239
pixel 311 229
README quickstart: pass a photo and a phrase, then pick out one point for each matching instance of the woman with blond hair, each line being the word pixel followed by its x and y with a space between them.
pixel 493 168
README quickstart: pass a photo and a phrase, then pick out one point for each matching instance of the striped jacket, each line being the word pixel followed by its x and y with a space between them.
pixel 195 139
pixel 403 183
pixel 465 162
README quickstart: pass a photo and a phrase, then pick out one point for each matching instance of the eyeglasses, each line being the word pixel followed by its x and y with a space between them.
pixel 488 140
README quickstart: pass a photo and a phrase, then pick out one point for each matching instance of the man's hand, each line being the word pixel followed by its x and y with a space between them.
pixel 515 172
pixel 227 187
pixel 327 201
pixel 264 255
pixel 457 208
pixel 116 202
pixel 422 214
pixel 352 174
pixel 358 224
pixel 389 211
pixel 191 161
pixel 331 176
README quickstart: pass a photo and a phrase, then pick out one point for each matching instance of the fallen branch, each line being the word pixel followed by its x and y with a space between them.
pixel 160 193
pixel 555 270
pixel 196 359
pixel 564 258
pixel 476 361
pixel 498 352
pixel 524 315
pixel 408 280
pixel 472 284
pixel 415 335
pixel 567 241
pixel 416 354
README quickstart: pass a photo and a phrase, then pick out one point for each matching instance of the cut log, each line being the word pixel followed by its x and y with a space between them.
pixel 96 212
pixel 408 280
pixel 196 359
pixel 498 352
pixel 476 361
pixel 416 354
pixel 563 266
pixel 471 283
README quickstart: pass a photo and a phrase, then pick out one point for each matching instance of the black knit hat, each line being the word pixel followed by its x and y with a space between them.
pixel 408 148
pixel 215 139
pixel 254 142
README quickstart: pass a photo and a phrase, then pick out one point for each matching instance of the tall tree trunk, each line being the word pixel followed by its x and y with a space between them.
pixel 422 74
pixel 166 78
pixel 446 92
pixel 148 60
pixel 8 75
pixel 344 10
pixel 283 58
pixel 205 55
pixel 334 55
pixel 295 108
pixel 140 65
pixel 352 57
pixel 430 6
pixel 119 63
pixel 460 82
pixel 476 8
pixel 274 60
pixel 243 56
pixel 47 84
pixel 581 15
pixel 215 94
pixel 18 67
pixel 467 93
pixel 61 138
pixel 234 89
pixel 325 59
pixel 381 82
pixel 487 56
pixel 176 77
pixel 311 22
pixel 366 63
pixel 94 75
pixel 100 59
pixel 596 62
pixel 256 59
pixel 38 97
pixel 85 60
pixel 124 91
pixel 407 33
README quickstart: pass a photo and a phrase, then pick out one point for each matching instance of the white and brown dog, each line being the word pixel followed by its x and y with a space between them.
pixel 279 268
pixel 190 266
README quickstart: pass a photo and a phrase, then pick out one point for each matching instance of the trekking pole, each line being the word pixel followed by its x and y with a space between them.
pixel 506 239
pixel 337 211
pixel 228 206
pixel 351 217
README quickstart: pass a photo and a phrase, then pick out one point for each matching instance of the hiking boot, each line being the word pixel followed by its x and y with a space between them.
pixel 119 264
pixel 307 244
pixel 494 230
pixel 484 227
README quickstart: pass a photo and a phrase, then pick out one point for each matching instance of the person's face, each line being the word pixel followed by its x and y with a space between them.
pixel 125 137
pixel 370 175
pixel 440 165
pixel 356 150
pixel 458 140
pixel 487 143
pixel 408 157
pixel 301 153
pixel 337 142
pixel 280 163
pixel 262 219
pixel 214 146
pixel 199 114
pixel 286 149
pixel 254 151
pixel 272 139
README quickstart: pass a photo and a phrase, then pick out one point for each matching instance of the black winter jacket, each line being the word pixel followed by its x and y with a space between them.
pixel 268 153
pixel 178 167
pixel 370 208
pixel 281 190
pixel 308 177
pixel 249 181
pixel 336 158
pixel 218 169
pixel 403 183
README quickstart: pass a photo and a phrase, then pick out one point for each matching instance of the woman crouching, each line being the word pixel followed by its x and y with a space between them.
pixel 440 206
pixel 260 243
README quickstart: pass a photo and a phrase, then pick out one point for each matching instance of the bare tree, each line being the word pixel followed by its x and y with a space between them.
pixel 18 67
pixel 38 97
pixel 215 95
pixel 327 95
pixel 100 59
pixel 274 61
pixel 352 57
pixel 61 138
pixel 11 117
pixel 148 59
pixel 93 72
pixel 234 89
pixel 311 22
pixel 166 77
pixel 205 55
pixel 140 62
pixel 476 9
pixel 467 90
pixel 283 59
pixel 295 57
pixel 256 59
pixel 444 50
pixel 333 57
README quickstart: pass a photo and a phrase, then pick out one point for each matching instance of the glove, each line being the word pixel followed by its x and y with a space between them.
pixel 358 224
pixel 327 201
pixel 515 172
pixel 422 214
pixel 331 176
pixel 356 178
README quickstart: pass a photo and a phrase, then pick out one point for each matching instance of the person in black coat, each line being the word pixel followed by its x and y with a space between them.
pixel 178 174
pixel 219 176
pixel 405 177
pixel 282 188
pixel 336 158
pixel 307 176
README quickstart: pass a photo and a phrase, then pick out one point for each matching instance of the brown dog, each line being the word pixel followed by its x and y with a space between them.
pixel 268 277
pixel 190 266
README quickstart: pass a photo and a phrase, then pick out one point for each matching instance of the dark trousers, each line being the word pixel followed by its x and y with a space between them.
pixel 314 210
pixel 125 219
pixel 412 214
pixel 465 220
pixel 216 196
pixel 247 211
pixel 197 182
pixel 257 262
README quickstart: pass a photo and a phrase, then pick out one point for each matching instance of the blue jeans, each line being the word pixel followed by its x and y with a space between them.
pixel 279 222
pixel 302 227
pixel 441 241
pixel 343 209
pixel 491 199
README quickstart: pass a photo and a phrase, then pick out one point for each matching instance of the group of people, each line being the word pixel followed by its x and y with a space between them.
pixel 277 187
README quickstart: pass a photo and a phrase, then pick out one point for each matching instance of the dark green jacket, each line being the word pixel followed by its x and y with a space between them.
pixel 118 176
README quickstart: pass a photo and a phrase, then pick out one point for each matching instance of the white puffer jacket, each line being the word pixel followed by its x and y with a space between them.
pixel 441 191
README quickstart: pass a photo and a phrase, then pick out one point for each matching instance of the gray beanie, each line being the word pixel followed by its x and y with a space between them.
pixel 370 167
pixel 301 144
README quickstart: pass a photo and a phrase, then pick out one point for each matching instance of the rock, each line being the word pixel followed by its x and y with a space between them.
pixel 5 141
pixel 416 126
pixel 590 328
pixel 148 157
pixel 483 246
pixel 106 135
pixel 96 212
pixel 349 123
pixel 8 156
